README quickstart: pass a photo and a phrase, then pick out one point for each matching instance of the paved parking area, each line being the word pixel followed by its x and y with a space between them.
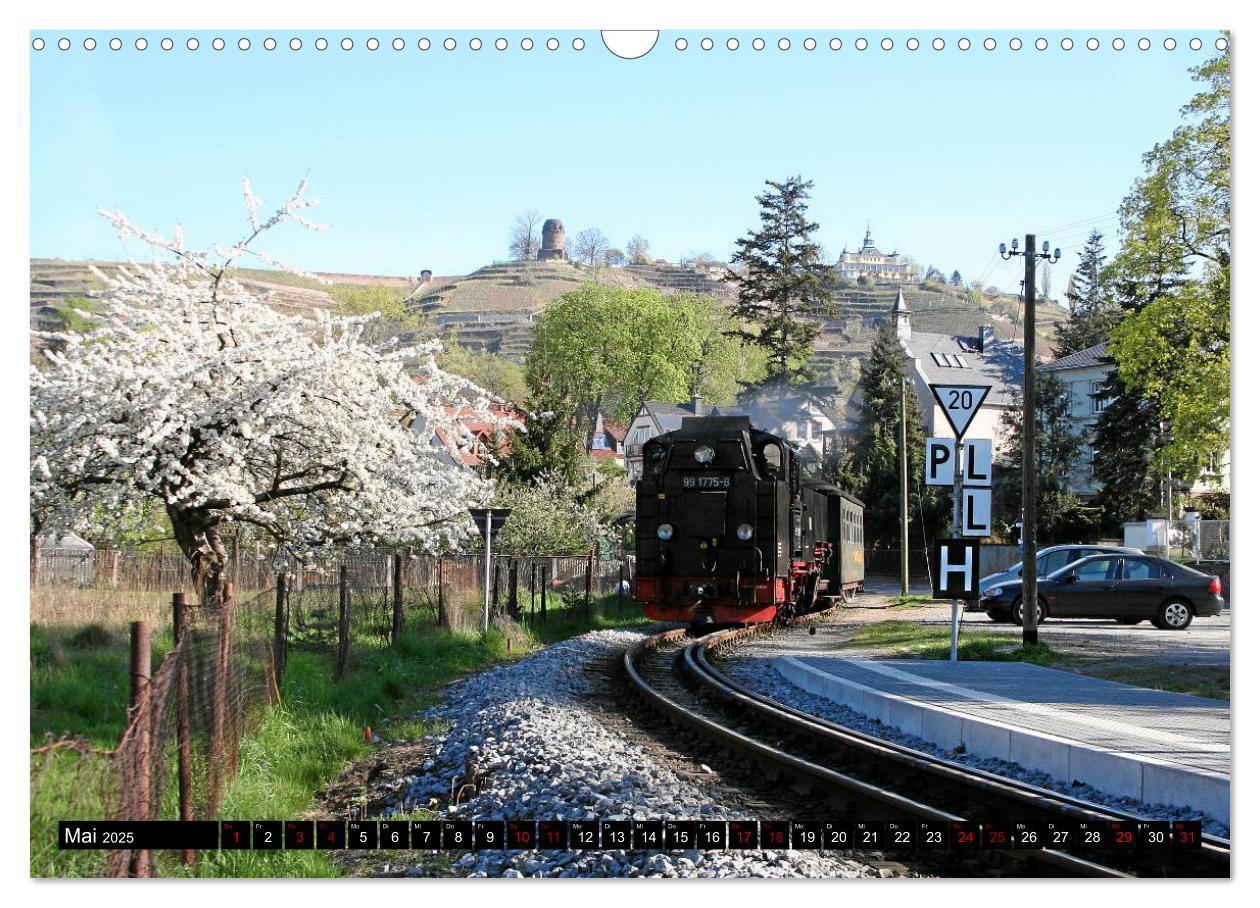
pixel 1205 642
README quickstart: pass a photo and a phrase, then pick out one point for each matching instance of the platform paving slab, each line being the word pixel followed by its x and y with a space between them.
pixel 1154 746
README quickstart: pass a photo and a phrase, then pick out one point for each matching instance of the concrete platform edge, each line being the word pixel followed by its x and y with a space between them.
pixel 1147 779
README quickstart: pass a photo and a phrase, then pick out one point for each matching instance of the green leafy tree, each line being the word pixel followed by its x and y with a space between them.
pixel 723 364
pixel 1092 312
pixel 1173 347
pixel 780 279
pixel 497 374
pixel 955 279
pixel 395 319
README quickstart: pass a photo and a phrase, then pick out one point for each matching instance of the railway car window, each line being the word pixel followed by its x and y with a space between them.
pixel 770 458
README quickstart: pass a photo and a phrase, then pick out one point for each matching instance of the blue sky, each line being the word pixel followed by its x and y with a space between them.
pixel 424 158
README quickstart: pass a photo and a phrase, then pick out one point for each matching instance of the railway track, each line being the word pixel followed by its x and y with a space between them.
pixel 868 777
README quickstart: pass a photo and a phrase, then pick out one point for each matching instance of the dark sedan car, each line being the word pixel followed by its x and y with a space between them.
pixel 1127 588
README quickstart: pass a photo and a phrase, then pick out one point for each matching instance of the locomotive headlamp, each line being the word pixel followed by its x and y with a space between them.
pixel 744 531
pixel 704 454
pixel 664 532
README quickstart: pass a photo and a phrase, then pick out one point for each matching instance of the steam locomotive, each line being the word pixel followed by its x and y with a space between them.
pixel 729 530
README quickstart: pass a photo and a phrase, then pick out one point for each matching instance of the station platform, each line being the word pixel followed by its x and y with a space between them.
pixel 1154 746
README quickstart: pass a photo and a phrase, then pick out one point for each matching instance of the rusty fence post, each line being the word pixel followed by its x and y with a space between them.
pixel 141 782
pixel 396 628
pixel 183 719
pixel 343 622
pixel 280 645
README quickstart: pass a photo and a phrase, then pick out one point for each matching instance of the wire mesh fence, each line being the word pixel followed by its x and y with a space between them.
pixel 188 715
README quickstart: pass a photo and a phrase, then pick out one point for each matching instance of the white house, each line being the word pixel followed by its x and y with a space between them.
pixel 1084 375
pixel 798 418
pixel 948 359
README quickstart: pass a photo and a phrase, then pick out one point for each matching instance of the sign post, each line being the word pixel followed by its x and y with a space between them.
pixel 961 403
pixel 489 521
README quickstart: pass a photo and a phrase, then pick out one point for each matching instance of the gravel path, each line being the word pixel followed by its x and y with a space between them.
pixel 524 733
pixel 760 675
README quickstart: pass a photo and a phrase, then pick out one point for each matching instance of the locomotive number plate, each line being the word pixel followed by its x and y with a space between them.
pixel 706 482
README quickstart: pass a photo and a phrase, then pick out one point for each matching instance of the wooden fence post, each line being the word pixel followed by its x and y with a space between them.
pixel 543 611
pixel 621 582
pixel 343 622
pixel 138 717
pixel 218 711
pixel 280 648
pixel 441 578
pixel 514 607
pixel 396 628
pixel 533 582
pixel 495 598
pixel 183 718
pixel 590 580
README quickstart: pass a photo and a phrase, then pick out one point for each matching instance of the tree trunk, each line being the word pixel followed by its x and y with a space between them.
pixel 199 539
pixel 36 546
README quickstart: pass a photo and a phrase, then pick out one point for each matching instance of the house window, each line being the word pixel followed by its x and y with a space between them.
pixel 1096 393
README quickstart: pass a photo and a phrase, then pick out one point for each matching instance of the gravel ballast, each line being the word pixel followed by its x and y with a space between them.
pixel 760 675
pixel 525 733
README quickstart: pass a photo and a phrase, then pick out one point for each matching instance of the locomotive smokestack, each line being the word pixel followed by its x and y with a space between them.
pixel 696 403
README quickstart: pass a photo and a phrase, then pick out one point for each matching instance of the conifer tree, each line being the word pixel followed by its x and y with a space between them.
pixel 1092 310
pixel 875 472
pixel 780 283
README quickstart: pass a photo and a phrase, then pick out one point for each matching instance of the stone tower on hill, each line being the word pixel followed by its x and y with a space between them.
pixel 552 240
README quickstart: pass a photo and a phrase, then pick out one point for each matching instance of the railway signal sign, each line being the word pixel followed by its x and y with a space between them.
pixel 957 573
pixel 489 521
pixel 940 461
pixel 977 462
pixel 961 403
pixel 977 505
pixel 497 517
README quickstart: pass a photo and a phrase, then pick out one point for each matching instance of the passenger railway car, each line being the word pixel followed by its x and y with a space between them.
pixel 728 530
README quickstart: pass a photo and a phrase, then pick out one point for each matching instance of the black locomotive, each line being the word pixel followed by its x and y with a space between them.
pixel 729 530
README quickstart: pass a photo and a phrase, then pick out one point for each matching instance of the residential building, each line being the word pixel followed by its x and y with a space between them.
pixel 948 359
pixel 1084 374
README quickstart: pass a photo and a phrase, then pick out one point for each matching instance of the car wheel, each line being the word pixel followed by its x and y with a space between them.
pixel 1017 612
pixel 1174 615
pixel 1128 621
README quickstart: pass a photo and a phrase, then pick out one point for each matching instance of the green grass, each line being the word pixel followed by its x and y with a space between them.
pixel 297 748
pixel 908 639
pixel 1211 681
pixel 910 601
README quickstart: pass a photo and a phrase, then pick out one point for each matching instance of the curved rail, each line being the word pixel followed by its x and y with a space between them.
pixel 878 758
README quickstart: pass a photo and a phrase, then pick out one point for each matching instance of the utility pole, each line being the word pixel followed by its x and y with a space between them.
pixel 1029 592
pixel 905 499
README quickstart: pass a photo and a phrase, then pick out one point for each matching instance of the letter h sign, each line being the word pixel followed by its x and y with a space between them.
pixel 957 564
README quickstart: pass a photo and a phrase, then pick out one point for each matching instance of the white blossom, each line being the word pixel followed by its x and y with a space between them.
pixel 191 392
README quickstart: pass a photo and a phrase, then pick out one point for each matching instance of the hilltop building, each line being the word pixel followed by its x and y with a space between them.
pixel 870 263
pixel 950 359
